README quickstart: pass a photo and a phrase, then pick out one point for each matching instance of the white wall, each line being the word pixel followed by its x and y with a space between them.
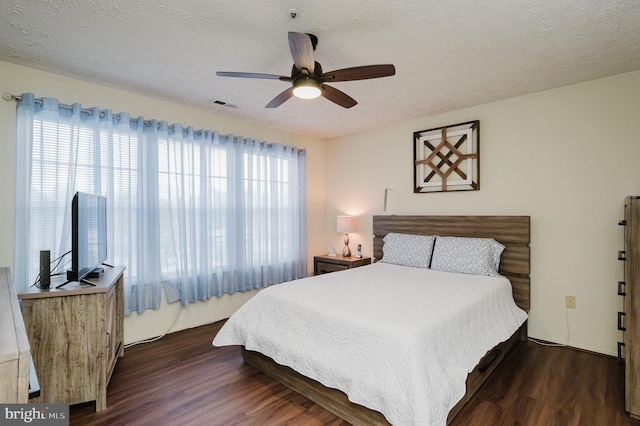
pixel 16 79
pixel 567 157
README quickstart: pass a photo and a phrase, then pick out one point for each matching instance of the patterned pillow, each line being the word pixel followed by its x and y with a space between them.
pixel 408 249
pixel 475 256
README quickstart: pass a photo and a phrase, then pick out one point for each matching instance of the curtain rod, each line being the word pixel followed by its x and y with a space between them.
pixel 7 96
pixel 10 96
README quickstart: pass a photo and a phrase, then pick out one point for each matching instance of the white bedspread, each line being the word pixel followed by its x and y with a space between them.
pixel 396 339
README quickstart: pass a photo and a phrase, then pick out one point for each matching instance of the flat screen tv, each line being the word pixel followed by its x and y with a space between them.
pixel 88 236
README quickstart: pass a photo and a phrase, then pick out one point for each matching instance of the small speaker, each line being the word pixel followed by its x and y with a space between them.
pixel 45 268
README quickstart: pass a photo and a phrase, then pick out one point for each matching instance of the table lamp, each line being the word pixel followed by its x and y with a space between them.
pixel 346 224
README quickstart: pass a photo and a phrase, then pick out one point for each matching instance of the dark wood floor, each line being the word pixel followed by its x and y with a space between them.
pixel 183 380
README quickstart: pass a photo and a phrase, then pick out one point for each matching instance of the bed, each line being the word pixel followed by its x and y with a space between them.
pixel 326 347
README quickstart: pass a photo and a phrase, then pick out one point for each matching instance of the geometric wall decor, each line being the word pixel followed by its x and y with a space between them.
pixel 447 158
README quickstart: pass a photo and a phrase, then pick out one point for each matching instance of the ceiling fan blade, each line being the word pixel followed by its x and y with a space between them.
pixel 280 99
pixel 359 73
pixel 338 97
pixel 302 51
pixel 253 75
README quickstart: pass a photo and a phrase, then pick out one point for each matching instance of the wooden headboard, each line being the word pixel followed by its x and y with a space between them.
pixel 511 231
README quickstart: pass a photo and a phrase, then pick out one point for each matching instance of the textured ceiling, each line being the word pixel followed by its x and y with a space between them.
pixel 448 54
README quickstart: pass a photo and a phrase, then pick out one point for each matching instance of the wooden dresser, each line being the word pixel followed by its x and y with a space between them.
pixel 14 345
pixel 76 335
pixel 629 319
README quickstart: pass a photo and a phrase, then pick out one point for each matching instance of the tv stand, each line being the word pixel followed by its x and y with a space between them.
pixel 76 335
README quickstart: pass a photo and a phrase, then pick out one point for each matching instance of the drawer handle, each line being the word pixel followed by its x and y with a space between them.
pixel 621 326
pixel 622 288
pixel 620 353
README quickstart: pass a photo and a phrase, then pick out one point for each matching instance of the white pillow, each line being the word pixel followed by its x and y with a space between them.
pixel 408 249
pixel 475 256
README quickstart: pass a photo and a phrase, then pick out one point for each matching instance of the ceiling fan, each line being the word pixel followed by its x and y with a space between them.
pixel 308 80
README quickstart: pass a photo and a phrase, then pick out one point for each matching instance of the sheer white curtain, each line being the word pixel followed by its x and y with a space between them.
pixel 246 197
pixel 198 213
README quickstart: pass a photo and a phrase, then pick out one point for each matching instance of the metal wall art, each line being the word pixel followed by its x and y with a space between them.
pixel 447 158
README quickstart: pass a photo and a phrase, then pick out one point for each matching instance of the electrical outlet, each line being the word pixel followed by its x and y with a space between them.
pixel 570 302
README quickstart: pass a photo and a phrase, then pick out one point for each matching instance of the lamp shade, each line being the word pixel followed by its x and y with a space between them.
pixel 346 224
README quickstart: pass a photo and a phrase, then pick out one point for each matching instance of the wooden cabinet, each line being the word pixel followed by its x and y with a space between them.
pixel 629 320
pixel 14 346
pixel 76 335
pixel 325 263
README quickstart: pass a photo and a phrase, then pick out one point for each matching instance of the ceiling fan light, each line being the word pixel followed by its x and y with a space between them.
pixel 306 89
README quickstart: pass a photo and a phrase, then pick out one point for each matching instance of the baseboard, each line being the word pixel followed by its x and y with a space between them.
pixel 576 347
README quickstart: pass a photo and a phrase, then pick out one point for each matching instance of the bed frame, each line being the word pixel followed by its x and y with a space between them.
pixel 512 231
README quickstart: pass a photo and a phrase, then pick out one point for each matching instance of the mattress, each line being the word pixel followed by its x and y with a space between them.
pixel 395 339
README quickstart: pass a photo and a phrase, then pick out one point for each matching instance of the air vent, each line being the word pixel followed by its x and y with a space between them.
pixel 223 103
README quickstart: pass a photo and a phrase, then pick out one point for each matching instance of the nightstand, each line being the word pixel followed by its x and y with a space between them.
pixel 325 263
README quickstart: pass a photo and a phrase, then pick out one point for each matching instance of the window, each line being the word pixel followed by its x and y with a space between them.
pixel 193 211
